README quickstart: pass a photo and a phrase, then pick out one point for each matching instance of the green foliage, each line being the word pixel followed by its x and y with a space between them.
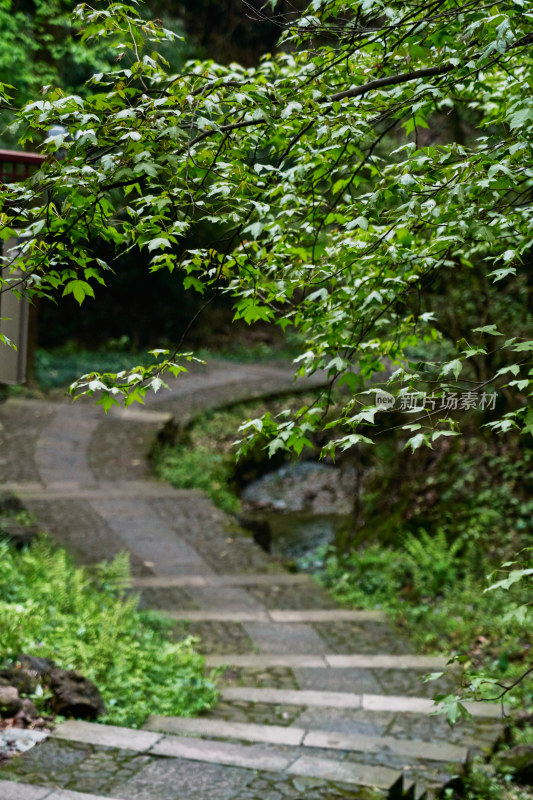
pixel 40 47
pixel 474 487
pixel 86 621
pixel 480 783
pixel 432 562
pixel 59 367
pixel 436 590
pixel 198 468
pixel 375 218
pixel 204 458
pixel 373 577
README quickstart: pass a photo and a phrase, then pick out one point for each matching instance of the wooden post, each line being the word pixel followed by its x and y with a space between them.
pixel 15 312
pixel 13 324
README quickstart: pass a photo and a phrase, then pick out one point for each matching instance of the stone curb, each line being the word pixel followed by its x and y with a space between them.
pixel 225 753
pixel 366 702
pixel 295 660
pixel 11 790
pixel 276 615
pixel 253 579
pixel 298 737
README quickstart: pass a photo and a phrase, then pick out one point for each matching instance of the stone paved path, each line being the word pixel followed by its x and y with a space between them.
pixel 317 702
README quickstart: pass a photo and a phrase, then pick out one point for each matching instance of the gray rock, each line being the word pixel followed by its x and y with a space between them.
pixel 10 702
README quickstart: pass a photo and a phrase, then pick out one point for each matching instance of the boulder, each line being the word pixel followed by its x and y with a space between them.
pixel 35 665
pixel 74 695
pixel 23 680
pixel 10 702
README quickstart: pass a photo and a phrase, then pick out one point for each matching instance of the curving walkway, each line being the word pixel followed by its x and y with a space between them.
pixel 317 702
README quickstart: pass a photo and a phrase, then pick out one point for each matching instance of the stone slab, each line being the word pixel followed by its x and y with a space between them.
pixel 277 638
pixel 265 579
pixel 297 736
pixel 252 580
pixel 282 615
pixel 265 661
pixel 179 779
pixel 349 721
pixel 326 615
pixel 270 734
pixel 293 697
pixel 412 705
pixel 368 702
pixel 488 710
pixel 235 755
pixel 9 790
pixel 70 794
pixel 89 490
pixel 224 596
pixel 106 735
pixel 432 751
pixel 61 449
pixel 222 615
pixel 364 661
pixel 421 705
pixel 168 581
pixel 329 770
pixel 150 537
pixel 296 660
pixel 353 681
pixel 133 414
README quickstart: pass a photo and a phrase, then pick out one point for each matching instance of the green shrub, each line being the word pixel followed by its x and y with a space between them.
pixel 369 578
pixel 436 590
pixel 198 468
pixel 84 620
pixel 432 562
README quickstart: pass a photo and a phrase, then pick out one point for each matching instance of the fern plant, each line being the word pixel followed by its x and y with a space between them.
pixel 432 561
pixel 86 621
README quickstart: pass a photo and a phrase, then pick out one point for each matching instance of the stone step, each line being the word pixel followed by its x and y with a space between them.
pixel 9 790
pixel 301 737
pixel 259 758
pixel 252 580
pixel 333 661
pixel 366 702
pixel 88 489
pixel 276 615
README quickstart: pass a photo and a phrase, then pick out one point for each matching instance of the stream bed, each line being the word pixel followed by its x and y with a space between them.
pixel 299 507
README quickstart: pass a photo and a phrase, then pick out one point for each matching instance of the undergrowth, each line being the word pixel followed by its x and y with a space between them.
pixel 436 591
pixel 204 458
pixel 198 467
pixel 85 620
pixel 482 784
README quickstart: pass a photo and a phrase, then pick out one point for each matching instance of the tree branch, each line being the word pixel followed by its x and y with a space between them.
pixel 225 128
pixel 390 80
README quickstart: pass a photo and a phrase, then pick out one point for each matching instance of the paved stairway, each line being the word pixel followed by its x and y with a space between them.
pixel 317 702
